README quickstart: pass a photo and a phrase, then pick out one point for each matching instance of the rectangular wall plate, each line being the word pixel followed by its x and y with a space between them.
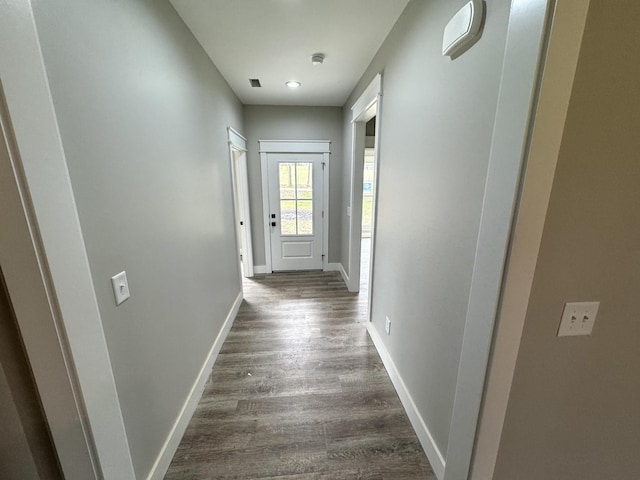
pixel 578 318
pixel 120 287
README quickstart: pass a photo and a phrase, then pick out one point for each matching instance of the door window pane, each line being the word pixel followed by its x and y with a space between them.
pixel 305 217
pixel 287 174
pixel 304 176
pixel 288 217
pixel 296 198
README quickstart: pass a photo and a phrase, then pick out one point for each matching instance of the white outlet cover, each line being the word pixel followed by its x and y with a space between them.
pixel 120 287
pixel 578 318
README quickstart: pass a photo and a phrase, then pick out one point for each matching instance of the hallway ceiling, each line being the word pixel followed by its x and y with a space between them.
pixel 273 40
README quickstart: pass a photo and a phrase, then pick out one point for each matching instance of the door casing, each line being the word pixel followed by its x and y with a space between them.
pixel 294 146
pixel 46 268
pixel 366 107
pixel 240 184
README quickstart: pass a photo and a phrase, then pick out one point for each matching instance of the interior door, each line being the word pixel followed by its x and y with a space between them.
pixel 241 206
pixel 295 210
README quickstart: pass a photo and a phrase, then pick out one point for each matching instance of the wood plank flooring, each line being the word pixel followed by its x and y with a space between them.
pixel 299 392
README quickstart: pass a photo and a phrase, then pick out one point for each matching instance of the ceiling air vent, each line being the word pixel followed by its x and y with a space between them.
pixel 255 83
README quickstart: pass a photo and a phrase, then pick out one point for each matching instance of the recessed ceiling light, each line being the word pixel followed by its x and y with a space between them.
pixel 292 84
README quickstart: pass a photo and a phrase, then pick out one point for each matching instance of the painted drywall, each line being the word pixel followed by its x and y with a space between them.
pixel 573 409
pixel 436 121
pixel 143 115
pixel 293 123
pixel 25 447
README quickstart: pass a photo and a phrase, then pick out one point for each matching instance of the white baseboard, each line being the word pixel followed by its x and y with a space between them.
pixel 170 446
pixel 337 267
pixel 330 267
pixel 426 439
pixel 345 277
pixel 260 269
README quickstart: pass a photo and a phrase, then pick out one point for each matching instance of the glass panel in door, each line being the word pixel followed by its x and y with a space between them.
pixel 296 198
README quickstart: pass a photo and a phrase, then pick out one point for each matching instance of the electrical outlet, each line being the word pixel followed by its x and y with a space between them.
pixel 578 318
pixel 387 326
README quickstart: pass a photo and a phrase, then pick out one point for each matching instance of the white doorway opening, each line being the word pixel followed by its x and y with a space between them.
pixel 238 157
pixel 369 176
pixel 364 181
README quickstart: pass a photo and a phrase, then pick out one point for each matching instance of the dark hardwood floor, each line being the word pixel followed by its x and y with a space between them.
pixel 299 392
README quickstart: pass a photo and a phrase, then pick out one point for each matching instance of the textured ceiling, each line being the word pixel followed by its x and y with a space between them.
pixel 273 40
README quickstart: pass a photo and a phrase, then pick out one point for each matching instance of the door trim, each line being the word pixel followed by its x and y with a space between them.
pixel 47 272
pixel 295 146
pixel 527 36
pixel 560 63
pixel 367 106
pixel 240 186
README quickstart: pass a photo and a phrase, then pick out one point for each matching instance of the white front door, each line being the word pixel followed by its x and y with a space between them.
pixel 295 210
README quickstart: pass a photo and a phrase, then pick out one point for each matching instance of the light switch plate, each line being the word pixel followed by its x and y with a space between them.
pixel 120 287
pixel 578 318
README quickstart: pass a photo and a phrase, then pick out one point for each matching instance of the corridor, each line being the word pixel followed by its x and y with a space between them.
pixel 299 392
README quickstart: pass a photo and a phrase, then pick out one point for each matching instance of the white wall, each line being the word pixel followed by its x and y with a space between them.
pixel 436 125
pixel 293 123
pixel 143 115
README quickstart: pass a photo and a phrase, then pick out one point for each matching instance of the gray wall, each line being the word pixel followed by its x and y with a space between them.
pixel 143 115
pixel 574 408
pixel 26 451
pixel 436 125
pixel 293 123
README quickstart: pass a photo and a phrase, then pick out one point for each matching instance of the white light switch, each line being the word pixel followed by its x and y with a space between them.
pixel 120 287
pixel 578 318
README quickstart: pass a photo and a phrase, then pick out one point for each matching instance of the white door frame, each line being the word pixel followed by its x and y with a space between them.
pixel 240 180
pixel 295 146
pixel 364 109
pixel 46 269
pixel 545 139
pixel 525 48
